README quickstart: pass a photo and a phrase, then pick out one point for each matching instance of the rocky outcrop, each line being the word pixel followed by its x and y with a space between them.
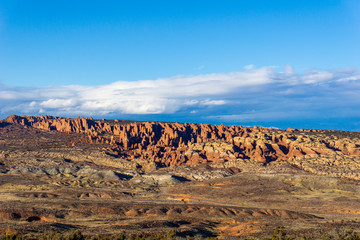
pixel 172 144
pixel 93 173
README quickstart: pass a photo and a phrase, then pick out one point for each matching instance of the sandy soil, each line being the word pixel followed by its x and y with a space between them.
pixel 56 181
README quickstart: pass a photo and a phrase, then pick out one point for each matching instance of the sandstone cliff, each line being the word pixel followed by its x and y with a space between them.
pixel 171 144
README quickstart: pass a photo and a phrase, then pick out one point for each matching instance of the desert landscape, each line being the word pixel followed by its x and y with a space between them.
pixel 114 177
pixel 179 120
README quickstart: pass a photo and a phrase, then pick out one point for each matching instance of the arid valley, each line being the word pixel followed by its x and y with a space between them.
pixel 111 177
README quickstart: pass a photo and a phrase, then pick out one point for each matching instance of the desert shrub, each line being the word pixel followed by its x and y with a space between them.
pixel 133 237
pixel 98 237
pixel 76 235
pixel 280 234
pixel 121 236
pixel 335 234
pixel 342 234
pixel 13 236
pixel 306 237
pixel 51 236
pixel 171 234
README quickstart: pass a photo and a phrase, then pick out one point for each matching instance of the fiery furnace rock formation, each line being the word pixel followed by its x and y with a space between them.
pixel 171 144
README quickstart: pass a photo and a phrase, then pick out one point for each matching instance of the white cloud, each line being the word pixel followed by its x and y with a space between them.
pixel 317 77
pixel 7 95
pixel 254 86
pixel 56 103
pixel 32 104
pixel 350 78
pixel 209 102
pixel 191 102
pixel 289 70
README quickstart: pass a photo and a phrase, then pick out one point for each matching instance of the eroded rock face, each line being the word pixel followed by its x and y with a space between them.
pixel 172 144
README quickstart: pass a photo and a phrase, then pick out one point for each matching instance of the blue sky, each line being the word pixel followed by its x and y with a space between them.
pixel 270 63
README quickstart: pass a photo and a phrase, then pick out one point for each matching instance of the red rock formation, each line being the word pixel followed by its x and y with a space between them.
pixel 170 144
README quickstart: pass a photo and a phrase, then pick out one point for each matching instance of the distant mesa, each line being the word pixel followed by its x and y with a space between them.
pixel 173 144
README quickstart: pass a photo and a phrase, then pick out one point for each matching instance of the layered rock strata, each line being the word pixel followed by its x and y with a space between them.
pixel 172 144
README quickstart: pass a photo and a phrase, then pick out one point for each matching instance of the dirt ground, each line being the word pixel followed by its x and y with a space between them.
pixel 56 182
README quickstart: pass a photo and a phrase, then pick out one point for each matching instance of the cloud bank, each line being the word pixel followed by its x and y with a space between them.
pixel 254 94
